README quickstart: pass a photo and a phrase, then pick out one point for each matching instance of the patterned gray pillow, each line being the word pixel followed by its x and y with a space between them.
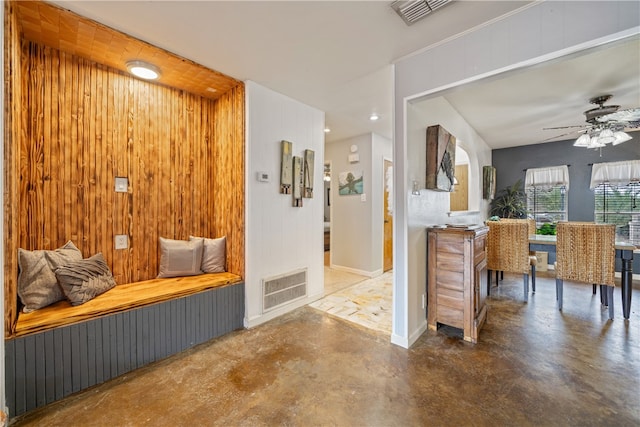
pixel 214 258
pixel 37 284
pixel 83 280
pixel 180 257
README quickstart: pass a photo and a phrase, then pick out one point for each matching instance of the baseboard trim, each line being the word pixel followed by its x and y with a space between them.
pixel 418 333
pixel 400 341
pixel 370 274
pixel 408 342
pixel 263 318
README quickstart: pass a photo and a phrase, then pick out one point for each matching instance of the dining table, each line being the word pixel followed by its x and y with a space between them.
pixel 624 252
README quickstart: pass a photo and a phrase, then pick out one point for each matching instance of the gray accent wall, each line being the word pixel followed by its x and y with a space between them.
pixel 510 164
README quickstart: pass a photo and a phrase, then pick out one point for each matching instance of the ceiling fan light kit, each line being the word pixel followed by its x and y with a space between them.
pixel 620 137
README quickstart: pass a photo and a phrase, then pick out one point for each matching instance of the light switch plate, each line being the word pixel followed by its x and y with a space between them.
pixel 122 184
pixel 363 197
pixel 121 241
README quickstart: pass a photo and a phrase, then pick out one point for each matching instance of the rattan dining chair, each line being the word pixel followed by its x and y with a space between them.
pixel 585 253
pixel 508 251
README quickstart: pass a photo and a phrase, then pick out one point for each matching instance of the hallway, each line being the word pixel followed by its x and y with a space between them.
pixel 533 365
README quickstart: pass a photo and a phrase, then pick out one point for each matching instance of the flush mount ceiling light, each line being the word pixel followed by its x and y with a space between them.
pixel 144 70
pixel 373 117
pixel 327 130
pixel 413 11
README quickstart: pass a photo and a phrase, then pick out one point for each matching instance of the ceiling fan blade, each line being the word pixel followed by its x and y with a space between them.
pixel 630 115
pixel 561 135
pixel 567 127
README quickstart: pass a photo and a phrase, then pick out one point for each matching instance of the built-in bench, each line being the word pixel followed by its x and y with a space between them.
pixel 61 349
pixel 122 297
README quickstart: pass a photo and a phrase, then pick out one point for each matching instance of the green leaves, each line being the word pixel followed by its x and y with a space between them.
pixel 510 202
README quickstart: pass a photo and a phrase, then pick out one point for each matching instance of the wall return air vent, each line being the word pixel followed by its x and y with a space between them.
pixel 413 11
pixel 284 289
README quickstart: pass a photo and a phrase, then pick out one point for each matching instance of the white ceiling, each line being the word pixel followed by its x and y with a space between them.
pixel 514 109
pixel 337 55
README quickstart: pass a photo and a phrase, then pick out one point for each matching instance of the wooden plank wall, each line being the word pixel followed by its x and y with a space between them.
pixel 12 129
pixel 89 353
pixel 83 124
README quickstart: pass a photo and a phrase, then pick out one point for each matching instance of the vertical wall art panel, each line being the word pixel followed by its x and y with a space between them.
pixel 488 182
pixel 441 153
pixel 286 174
pixel 298 181
pixel 309 156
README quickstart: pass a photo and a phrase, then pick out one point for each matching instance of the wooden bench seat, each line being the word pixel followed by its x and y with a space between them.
pixel 122 297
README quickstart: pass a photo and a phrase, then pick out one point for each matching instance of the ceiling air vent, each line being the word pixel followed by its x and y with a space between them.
pixel 413 11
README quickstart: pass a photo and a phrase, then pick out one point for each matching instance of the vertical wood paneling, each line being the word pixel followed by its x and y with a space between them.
pixel 59 363
pixel 20 376
pixel 31 389
pixel 10 373
pixel 12 130
pixel 80 124
pixel 40 370
pixel 50 368
pixel 228 185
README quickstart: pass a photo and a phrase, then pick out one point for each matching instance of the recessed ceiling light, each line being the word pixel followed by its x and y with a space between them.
pixel 373 117
pixel 327 130
pixel 210 89
pixel 143 70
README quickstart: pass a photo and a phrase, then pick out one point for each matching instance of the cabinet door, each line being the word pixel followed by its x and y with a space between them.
pixel 480 287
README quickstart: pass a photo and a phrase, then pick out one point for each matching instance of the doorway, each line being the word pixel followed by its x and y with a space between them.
pixel 387 257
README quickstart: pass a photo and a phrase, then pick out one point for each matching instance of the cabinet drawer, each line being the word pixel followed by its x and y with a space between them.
pixel 449 262
pixel 450 316
pixel 451 244
pixel 451 298
pixel 450 279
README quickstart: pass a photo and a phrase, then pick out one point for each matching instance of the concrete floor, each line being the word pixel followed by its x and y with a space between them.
pixel 532 366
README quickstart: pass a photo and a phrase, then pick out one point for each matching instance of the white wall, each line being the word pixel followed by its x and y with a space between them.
pixel 432 207
pixel 279 237
pixel 538 32
pixel 357 224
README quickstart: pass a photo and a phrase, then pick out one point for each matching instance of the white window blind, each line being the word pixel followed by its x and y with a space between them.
pixel 547 191
pixel 616 187
pixel 619 205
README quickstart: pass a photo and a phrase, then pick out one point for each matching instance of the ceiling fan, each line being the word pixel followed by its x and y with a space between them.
pixel 605 124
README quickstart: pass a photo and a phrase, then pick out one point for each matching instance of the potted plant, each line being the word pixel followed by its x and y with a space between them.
pixel 511 202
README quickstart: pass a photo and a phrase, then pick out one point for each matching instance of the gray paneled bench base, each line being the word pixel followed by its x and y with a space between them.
pixel 46 366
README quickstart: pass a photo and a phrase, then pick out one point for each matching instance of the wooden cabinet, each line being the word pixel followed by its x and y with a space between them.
pixel 456 278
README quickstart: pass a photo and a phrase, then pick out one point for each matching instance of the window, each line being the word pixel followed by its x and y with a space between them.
pixel 616 186
pixel 619 205
pixel 547 204
pixel 546 190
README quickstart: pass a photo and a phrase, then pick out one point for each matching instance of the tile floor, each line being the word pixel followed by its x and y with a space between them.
pixel 366 303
